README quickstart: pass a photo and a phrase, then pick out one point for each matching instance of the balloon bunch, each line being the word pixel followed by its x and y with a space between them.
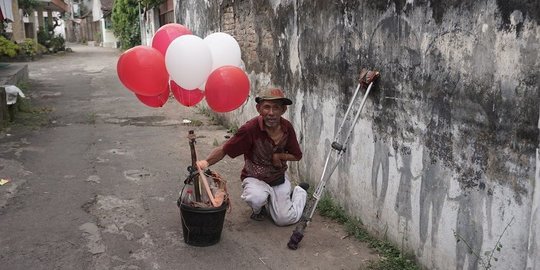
pixel 188 66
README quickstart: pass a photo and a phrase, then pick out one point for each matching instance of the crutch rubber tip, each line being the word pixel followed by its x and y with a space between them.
pixel 296 237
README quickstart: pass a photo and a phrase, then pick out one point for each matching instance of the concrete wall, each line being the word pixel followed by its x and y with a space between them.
pixel 149 26
pixel 17 25
pixel 447 146
pixel 109 39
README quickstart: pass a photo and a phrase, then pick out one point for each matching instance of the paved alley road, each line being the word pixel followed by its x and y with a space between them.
pixel 96 187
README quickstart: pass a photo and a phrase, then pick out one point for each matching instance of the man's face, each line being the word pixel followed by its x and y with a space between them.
pixel 271 111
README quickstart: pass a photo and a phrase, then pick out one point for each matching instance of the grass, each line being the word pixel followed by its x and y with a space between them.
pixel 27 115
pixel 391 257
pixel 232 129
pixel 214 119
pixel 196 123
pixel 210 114
pixel 91 118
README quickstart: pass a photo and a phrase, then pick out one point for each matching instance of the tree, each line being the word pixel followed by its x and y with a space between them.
pixel 28 6
pixel 125 23
pixel 125 20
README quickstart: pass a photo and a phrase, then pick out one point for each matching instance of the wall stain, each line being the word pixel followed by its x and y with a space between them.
pixel 325 48
pixel 433 190
pixel 495 121
pixel 533 245
pixel 380 164
pixel 529 8
pixel 469 224
pixel 384 5
pixel 403 206
pixel 394 49
pixel 310 117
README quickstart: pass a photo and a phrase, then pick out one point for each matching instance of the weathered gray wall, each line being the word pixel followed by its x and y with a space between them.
pixel 447 146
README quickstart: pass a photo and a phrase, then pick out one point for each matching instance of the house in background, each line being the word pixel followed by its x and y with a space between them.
pixel 82 21
pixel 153 19
pixel 21 25
pixel 102 12
pixel 90 23
pixel 78 27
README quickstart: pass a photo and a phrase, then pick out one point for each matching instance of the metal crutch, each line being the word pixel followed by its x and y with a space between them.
pixel 337 149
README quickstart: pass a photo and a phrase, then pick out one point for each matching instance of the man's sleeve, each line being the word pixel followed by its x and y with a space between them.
pixel 293 147
pixel 239 144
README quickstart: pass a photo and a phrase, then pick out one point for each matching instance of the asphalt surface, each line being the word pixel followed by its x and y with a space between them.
pixel 95 184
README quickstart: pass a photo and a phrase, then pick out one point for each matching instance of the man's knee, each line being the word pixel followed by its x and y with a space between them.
pixel 255 197
pixel 285 220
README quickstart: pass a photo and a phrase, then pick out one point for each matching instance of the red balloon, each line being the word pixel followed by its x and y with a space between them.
pixel 226 88
pixel 187 98
pixel 142 70
pixel 166 34
pixel 154 101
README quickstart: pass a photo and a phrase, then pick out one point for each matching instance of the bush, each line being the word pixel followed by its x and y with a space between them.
pixel 8 47
pixel 52 42
pixel 125 18
pixel 43 37
pixel 57 43
pixel 29 48
pixel 41 49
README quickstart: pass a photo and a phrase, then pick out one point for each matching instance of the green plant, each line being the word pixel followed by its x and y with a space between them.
pixel 28 6
pixel 28 47
pixel 41 49
pixel 391 257
pixel 125 20
pixel 43 37
pixel 92 118
pixel 47 38
pixel 8 47
pixel 23 85
pixel 232 129
pixel 97 36
pixel 126 25
pixel 204 110
pixel 28 115
pixel 57 43
pixel 196 123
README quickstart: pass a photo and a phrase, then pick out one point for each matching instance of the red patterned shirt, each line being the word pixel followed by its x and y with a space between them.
pixel 255 144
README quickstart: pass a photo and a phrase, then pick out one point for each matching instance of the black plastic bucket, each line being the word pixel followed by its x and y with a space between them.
pixel 202 226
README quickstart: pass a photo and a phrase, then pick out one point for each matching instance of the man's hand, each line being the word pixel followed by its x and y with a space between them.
pixel 276 160
pixel 203 164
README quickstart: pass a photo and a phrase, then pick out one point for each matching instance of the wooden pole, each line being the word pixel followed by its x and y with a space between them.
pixel 196 183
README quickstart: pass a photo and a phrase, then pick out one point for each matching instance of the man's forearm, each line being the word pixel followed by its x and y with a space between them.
pixel 287 157
pixel 216 155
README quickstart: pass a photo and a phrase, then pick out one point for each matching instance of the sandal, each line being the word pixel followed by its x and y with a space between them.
pixel 257 217
pixel 260 216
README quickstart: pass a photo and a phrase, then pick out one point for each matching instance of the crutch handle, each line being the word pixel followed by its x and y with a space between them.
pixel 368 76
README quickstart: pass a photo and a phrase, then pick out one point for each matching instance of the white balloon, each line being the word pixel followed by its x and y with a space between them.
pixel 188 61
pixel 225 50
